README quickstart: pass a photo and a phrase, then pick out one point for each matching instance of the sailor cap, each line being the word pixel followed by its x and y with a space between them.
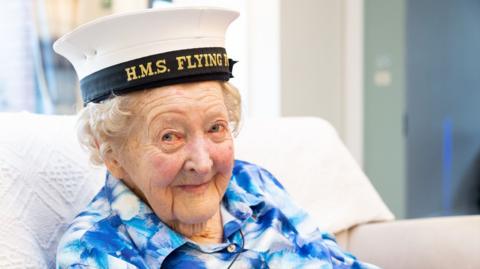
pixel 150 48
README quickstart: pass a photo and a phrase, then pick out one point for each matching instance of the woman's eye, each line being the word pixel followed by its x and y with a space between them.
pixel 217 127
pixel 168 137
pixel 170 140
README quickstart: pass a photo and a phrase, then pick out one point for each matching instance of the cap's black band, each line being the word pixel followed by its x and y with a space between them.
pixel 181 66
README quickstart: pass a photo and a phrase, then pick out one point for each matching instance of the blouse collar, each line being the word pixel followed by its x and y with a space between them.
pixel 153 238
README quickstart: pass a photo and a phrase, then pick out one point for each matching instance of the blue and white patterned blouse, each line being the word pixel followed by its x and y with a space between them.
pixel 262 229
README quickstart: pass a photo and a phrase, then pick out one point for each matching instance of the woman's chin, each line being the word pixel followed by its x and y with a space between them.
pixel 190 225
pixel 197 209
pixel 196 215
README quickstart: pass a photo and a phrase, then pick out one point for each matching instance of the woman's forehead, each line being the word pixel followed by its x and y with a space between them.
pixel 182 98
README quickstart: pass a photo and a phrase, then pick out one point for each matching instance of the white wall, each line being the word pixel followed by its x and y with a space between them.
pixel 353 78
pixel 311 51
pixel 264 58
pixel 321 73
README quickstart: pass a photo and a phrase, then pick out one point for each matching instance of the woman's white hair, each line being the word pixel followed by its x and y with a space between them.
pixel 105 125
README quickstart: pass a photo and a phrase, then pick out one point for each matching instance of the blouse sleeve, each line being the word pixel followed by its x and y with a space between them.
pixel 312 238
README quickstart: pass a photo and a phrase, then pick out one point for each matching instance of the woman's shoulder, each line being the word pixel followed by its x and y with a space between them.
pixel 247 174
pixel 256 184
pixel 269 194
pixel 95 211
pixel 73 245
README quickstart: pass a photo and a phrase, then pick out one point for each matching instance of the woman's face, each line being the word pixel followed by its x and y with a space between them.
pixel 179 158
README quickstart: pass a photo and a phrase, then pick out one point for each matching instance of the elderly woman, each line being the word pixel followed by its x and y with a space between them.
pixel 159 113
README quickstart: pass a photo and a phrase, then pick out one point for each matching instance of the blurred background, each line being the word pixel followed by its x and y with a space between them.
pixel 399 79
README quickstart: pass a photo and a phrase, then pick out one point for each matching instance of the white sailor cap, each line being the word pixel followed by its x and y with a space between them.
pixel 150 48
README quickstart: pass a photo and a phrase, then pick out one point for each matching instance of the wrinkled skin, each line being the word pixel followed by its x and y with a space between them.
pixel 179 157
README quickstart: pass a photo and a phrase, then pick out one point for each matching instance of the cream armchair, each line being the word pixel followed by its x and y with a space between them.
pixel 447 242
pixel 46 179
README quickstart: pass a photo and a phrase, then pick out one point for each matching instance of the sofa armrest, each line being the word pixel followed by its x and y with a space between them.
pixel 445 242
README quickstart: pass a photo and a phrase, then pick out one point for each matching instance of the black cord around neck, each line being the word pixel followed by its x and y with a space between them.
pixel 239 251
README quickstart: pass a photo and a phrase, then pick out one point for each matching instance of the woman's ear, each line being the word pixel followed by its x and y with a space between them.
pixel 114 165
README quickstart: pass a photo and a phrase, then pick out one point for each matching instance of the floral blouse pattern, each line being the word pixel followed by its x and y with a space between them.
pixel 263 228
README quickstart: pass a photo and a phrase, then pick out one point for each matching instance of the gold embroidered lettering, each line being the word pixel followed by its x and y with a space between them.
pixel 207 64
pixel 131 73
pixel 190 64
pixel 161 66
pixel 146 70
pixel 225 58
pixel 180 61
pixel 198 57
pixel 219 59
pixel 213 60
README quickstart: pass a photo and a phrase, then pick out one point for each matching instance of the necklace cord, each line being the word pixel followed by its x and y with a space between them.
pixel 239 251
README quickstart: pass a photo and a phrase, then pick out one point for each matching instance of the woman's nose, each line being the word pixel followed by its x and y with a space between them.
pixel 199 160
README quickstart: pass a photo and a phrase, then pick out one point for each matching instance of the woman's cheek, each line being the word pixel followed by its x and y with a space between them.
pixel 224 156
pixel 165 169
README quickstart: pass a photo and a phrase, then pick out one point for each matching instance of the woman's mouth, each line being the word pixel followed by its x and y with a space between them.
pixel 195 188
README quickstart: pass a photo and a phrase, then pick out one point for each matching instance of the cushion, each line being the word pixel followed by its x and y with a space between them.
pixel 45 180
pixel 440 243
pixel 307 156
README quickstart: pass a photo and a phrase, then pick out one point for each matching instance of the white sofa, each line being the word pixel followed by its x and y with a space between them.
pixel 46 179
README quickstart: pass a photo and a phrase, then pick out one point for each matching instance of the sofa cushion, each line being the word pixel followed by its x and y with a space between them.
pixel 45 180
pixel 440 243
pixel 309 159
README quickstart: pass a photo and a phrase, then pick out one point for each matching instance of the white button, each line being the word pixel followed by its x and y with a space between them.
pixel 231 248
